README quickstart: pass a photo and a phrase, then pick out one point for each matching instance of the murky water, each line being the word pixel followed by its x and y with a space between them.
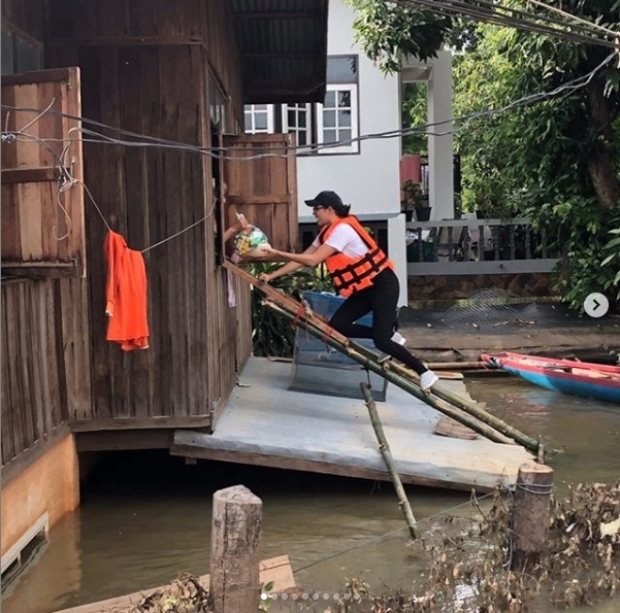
pixel 145 517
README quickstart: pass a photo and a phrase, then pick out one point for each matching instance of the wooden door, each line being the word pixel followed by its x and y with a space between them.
pixel 42 193
pixel 261 183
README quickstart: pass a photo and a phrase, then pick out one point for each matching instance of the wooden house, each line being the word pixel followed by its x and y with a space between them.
pixel 152 75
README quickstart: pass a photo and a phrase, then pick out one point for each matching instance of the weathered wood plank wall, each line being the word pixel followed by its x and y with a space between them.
pixel 46 374
pixel 44 351
pixel 42 218
pixel 145 69
pixel 66 372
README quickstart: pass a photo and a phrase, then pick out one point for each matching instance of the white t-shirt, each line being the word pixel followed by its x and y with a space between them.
pixel 346 240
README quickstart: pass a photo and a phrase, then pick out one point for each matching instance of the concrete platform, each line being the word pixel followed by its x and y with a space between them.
pixel 264 423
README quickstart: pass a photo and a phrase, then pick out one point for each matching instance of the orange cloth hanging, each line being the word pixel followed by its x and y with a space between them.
pixel 125 295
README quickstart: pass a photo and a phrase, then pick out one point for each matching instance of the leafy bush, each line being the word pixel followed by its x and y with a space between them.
pixel 272 335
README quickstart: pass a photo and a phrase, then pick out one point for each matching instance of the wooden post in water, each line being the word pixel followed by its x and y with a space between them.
pixel 531 508
pixel 384 447
pixel 235 538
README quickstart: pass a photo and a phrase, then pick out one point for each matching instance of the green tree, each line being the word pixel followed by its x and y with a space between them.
pixel 556 159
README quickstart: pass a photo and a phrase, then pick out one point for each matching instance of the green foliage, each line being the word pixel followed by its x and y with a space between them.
pixel 554 161
pixel 389 31
pixel 613 259
pixel 580 229
pixel 414 114
pixel 272 335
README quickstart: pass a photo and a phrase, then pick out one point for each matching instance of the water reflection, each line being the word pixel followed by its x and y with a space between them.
pixel 145 517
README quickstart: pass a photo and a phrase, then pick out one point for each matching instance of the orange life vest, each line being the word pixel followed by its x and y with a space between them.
pixel 352 274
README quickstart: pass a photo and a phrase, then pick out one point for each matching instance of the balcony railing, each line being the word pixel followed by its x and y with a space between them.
pixel 470 246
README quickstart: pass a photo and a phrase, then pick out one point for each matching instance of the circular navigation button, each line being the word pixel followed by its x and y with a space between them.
pixel 596 305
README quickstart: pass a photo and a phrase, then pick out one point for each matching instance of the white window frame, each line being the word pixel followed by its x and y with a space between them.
pixel 307 108
pixel 253 111
pixel 353 147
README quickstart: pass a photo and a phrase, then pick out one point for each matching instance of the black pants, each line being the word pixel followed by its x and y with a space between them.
pixel 382 299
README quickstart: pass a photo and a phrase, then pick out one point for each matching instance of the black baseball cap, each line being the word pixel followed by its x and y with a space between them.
pixel 325 199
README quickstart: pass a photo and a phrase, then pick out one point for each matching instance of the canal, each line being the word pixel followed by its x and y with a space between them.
pixel 145 517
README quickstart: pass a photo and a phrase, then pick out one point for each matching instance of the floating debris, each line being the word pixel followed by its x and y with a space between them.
pixel 183 595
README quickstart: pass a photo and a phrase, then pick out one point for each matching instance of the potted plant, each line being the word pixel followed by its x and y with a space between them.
pixel 415 200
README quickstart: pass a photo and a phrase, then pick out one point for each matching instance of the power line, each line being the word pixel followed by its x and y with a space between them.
pixel 66 180
pixel 500 15
pixel 217 152
pixel 554 9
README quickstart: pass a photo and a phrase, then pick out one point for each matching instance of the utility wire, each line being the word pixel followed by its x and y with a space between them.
pixel 66 180
pixel 591 24
pixel 483 10
pixel 497 14
pixel 216 152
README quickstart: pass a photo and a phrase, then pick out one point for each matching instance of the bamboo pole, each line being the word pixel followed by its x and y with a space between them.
pixel 459 402
pixel 473 409
pixel 384 448
pixel 403 382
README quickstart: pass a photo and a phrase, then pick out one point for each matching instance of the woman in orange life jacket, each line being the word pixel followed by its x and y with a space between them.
pixel 361 272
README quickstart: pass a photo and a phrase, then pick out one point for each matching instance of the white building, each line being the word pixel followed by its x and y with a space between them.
pixel 361 101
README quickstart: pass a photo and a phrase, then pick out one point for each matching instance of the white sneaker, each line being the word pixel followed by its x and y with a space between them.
pixel 397 338
pixel 427 380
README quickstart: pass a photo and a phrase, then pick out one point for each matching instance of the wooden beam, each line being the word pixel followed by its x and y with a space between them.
pixel 117 440
pixel 277 15
pixel 29 175
pixel 19 463
pixel 271 199
pixel 139 423
pixel 313 466
pixel 39 76
pixel 276 569
pixel 43 270
pixel 126 41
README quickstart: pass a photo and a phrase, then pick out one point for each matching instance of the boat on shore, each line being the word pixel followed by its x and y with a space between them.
pixel 585 379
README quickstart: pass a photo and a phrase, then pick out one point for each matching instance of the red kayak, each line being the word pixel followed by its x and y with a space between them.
pixel 585 379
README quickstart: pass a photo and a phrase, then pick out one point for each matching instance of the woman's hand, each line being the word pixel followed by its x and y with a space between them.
pixel 264 277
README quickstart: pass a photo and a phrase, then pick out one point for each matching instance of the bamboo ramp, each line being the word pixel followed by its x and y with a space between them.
pixel 468 413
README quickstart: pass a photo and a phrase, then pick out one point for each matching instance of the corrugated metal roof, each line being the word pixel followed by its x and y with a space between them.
pixel 283 45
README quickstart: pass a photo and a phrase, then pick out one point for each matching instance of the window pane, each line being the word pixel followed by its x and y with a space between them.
pixel 342 69
pixel 302 137
pixel 330 99
pixel 329 119
pixel 260 121
pixel 344 135
pixel 301 118
pixel 344 119
pixel 344 98
pixel 248 122
pixel 292 119
pixel 329 136
pixel 260 107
